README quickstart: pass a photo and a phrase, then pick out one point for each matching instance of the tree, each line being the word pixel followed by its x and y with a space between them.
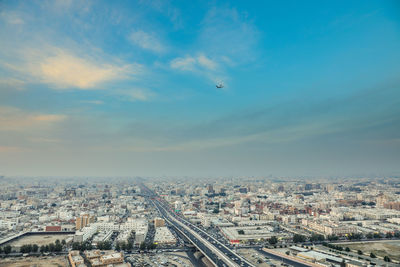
pixel 35 248
pixel 332 237
pixel 58 247
pixel 273 240
pixel 298 238
pixel 387 259
pixel 372 255
pixel 347 249
pixel 42 248
pixel 316 237
pixel 240 232
pixel 7 249
pixel 389 235
pixel 377 235
pixel 287 252
pixel 1 250
pixel 359 252
pixel 52 247
pixel 63 242
pixel 129 245
pixel 142 246
pixel 76 246
pixel 369 235
pixel 117 247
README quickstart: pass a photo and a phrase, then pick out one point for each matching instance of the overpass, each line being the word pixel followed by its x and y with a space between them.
pixel 215 251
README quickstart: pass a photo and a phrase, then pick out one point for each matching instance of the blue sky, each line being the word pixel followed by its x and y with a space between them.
pixel 128 88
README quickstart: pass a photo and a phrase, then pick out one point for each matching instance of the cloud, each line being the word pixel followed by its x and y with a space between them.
pixel 11 18
pixel 226 32
pixel 136 94
pixel 146 41
pixel 65 70
pixel 183 63
pixel 190 63
pixel 94 102
pixel 14 119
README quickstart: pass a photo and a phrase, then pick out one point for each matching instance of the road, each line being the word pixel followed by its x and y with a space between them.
pixel 217 252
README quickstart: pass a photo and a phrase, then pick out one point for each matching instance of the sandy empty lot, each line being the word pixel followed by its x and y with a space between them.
pixel 58 261
pixel 391 248
pixel 38 239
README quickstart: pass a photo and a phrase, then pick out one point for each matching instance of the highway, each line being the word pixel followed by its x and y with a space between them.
pixel 218 253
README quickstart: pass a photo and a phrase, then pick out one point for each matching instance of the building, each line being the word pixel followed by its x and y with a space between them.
pixel 99 258
pixel 53 228
pixel 75 259
pixel 83 221
pixel 159 222
pixel 164 236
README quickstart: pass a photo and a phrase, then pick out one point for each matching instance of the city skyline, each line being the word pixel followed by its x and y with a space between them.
pixel 129 88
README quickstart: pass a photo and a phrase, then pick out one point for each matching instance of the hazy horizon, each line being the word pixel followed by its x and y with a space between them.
pixel 129 88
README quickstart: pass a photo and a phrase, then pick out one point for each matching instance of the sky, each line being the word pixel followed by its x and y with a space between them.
pixel 127 88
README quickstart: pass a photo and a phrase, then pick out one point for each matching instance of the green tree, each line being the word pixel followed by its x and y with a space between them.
pixel 347 249
pixel 241 232
pixel 273 240
pixel 76 246
pixel 58 247
pixel 298 238
pixel 1 250
pixel 63 242
pixel 369 235
pixel 359 252
pixel 372 255
pixel 142 246
pixel 117 247
pixel 35 248
pixel 42 248
pixel 7 249
pixel 389 235
pixel 387 259
pixel 287 252
pixel 332 237
pixel 52 247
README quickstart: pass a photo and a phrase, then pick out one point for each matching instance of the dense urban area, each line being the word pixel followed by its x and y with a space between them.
pixel 199 222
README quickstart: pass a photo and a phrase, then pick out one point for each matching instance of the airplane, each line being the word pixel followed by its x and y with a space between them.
pixel 219 86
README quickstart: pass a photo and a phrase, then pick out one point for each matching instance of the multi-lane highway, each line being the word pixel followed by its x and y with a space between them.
pixel 218 253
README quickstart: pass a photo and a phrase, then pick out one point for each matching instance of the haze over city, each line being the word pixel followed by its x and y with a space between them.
pixel 129 88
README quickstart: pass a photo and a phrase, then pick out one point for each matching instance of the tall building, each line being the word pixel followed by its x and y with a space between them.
pixel 83 221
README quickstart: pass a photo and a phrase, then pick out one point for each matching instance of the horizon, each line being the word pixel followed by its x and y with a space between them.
pixel 129 89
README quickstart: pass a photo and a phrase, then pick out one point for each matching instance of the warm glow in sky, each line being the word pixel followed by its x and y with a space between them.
pixel 128 87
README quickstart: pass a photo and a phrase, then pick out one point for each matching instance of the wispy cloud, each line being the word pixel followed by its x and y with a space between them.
pixel 94 102
pixel 135 94
pixel 193 63
pixel 11 18
pixel 148 41
pixel 66 70
pixel 14 119
pixel 226 32
pixel 62 69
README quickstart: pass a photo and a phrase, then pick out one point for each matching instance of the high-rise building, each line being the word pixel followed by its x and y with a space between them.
pixel 83 221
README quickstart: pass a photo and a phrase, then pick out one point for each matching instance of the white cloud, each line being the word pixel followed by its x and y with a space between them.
pixel 11 18
pixel 190 63
pixel 136 94
pixel 14 119
pixel 65 70
pixel 183 63
pixel 146 41
pixel 95 102
pixel 206 62
pixel 62 69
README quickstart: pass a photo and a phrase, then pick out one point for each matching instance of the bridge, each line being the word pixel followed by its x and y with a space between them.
pixel 215 251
